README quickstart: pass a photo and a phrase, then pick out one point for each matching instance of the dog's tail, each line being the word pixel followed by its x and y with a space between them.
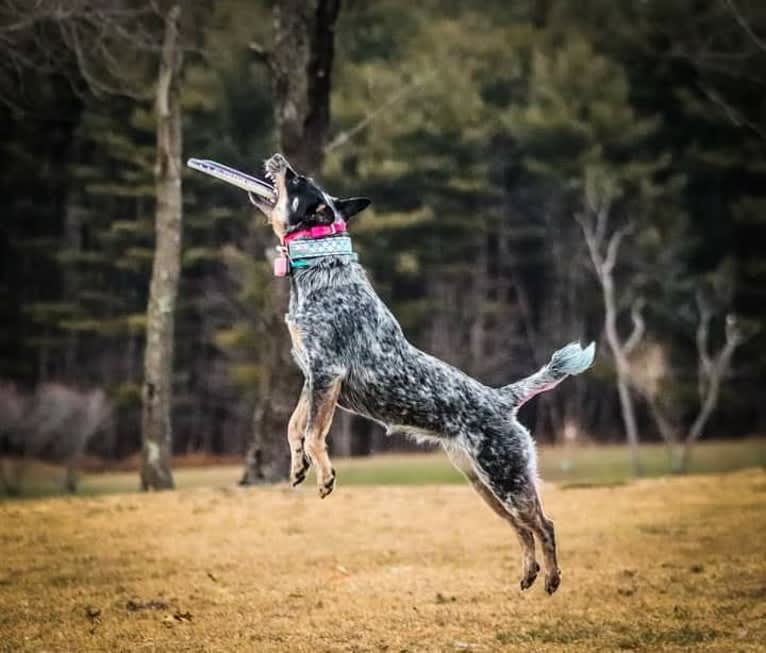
pixel 567 361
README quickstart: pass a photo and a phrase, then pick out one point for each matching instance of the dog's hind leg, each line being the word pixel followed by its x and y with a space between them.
pixel 322 400
pixel 296 434
pixel 529 508
pixel 506 463
pixel 529 566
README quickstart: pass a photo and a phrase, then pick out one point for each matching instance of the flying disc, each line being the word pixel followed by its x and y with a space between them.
pixel 234 177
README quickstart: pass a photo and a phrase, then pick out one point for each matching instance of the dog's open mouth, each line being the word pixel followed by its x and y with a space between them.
pixel 275 169
pixel 275 166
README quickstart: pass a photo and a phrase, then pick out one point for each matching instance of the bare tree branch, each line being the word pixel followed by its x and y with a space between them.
pixel 717 371
pixel 343 137
pixel 97 36
pixel 732 115
pixel 639 326
pixel 594 224
pixel 98 84
pixel 744 24
pixel 702 336
pixel 262 54
pixel 613 248
pixel 712 370
pixel 591 241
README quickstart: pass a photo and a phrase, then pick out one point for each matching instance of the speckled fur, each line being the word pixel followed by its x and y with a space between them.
pixel 352 352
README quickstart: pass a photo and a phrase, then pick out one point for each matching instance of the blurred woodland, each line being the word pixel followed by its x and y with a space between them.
pixel 541 171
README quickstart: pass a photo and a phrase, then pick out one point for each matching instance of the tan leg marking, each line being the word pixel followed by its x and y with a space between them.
pixel 529 566
pixel 297 339
pixel 321 412
pixel 296 430
pixel 533 516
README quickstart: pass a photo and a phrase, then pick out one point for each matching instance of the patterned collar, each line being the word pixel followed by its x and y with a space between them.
pixel 304 253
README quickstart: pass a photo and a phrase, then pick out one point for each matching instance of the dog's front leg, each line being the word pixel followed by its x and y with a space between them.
pixel 322 400
pixel 296 434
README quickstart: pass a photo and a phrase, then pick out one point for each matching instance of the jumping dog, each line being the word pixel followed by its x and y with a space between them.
pixel 353 354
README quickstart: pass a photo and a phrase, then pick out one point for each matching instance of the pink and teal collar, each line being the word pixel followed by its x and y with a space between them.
pixel 319 231
pixel 304 248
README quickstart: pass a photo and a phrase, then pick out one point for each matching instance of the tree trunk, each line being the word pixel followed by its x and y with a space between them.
pixel 72 472
pixel 158 358
pixel 300 66
pixel 709 402
pixel 9 479
pixel 342 434
pixel 711 373
pixel 629 418
pixel 267 456
pixel 667 431
pixel 622 367
pixel 255 471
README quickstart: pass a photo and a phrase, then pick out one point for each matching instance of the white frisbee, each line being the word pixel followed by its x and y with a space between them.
pixel 234 177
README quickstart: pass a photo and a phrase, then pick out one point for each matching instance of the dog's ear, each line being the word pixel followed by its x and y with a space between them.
pixel 350 206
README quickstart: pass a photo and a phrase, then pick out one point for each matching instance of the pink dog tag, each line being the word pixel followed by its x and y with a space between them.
pixel 280 266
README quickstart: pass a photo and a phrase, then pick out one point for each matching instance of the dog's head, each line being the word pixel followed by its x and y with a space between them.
pixel 300 202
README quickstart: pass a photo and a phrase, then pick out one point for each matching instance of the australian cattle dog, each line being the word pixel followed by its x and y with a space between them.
pixel 353 354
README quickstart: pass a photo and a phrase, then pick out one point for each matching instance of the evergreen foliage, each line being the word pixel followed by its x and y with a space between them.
pixel 479 132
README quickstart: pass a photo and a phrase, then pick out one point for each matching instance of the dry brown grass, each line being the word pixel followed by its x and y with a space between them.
pixel 670 564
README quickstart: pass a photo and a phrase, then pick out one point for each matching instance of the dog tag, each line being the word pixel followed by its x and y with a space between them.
pixel 280 266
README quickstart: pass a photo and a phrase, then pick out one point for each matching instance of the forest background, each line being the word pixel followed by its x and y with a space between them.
pixel 510 149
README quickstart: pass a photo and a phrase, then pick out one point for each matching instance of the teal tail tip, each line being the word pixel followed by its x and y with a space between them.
pixel 572 359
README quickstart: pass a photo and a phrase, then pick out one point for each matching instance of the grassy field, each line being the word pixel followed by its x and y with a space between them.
pixel 595 465
pixel 671 564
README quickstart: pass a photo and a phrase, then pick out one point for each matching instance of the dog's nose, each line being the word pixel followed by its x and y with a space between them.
pixel 275 165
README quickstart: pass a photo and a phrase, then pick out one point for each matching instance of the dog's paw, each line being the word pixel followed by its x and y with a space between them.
pixel 530 576
pixel 297 476
pixel 326 488
pixel 552 581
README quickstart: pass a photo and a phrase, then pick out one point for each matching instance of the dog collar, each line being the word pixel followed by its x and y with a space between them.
pixel 319 231
pixel 298 254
